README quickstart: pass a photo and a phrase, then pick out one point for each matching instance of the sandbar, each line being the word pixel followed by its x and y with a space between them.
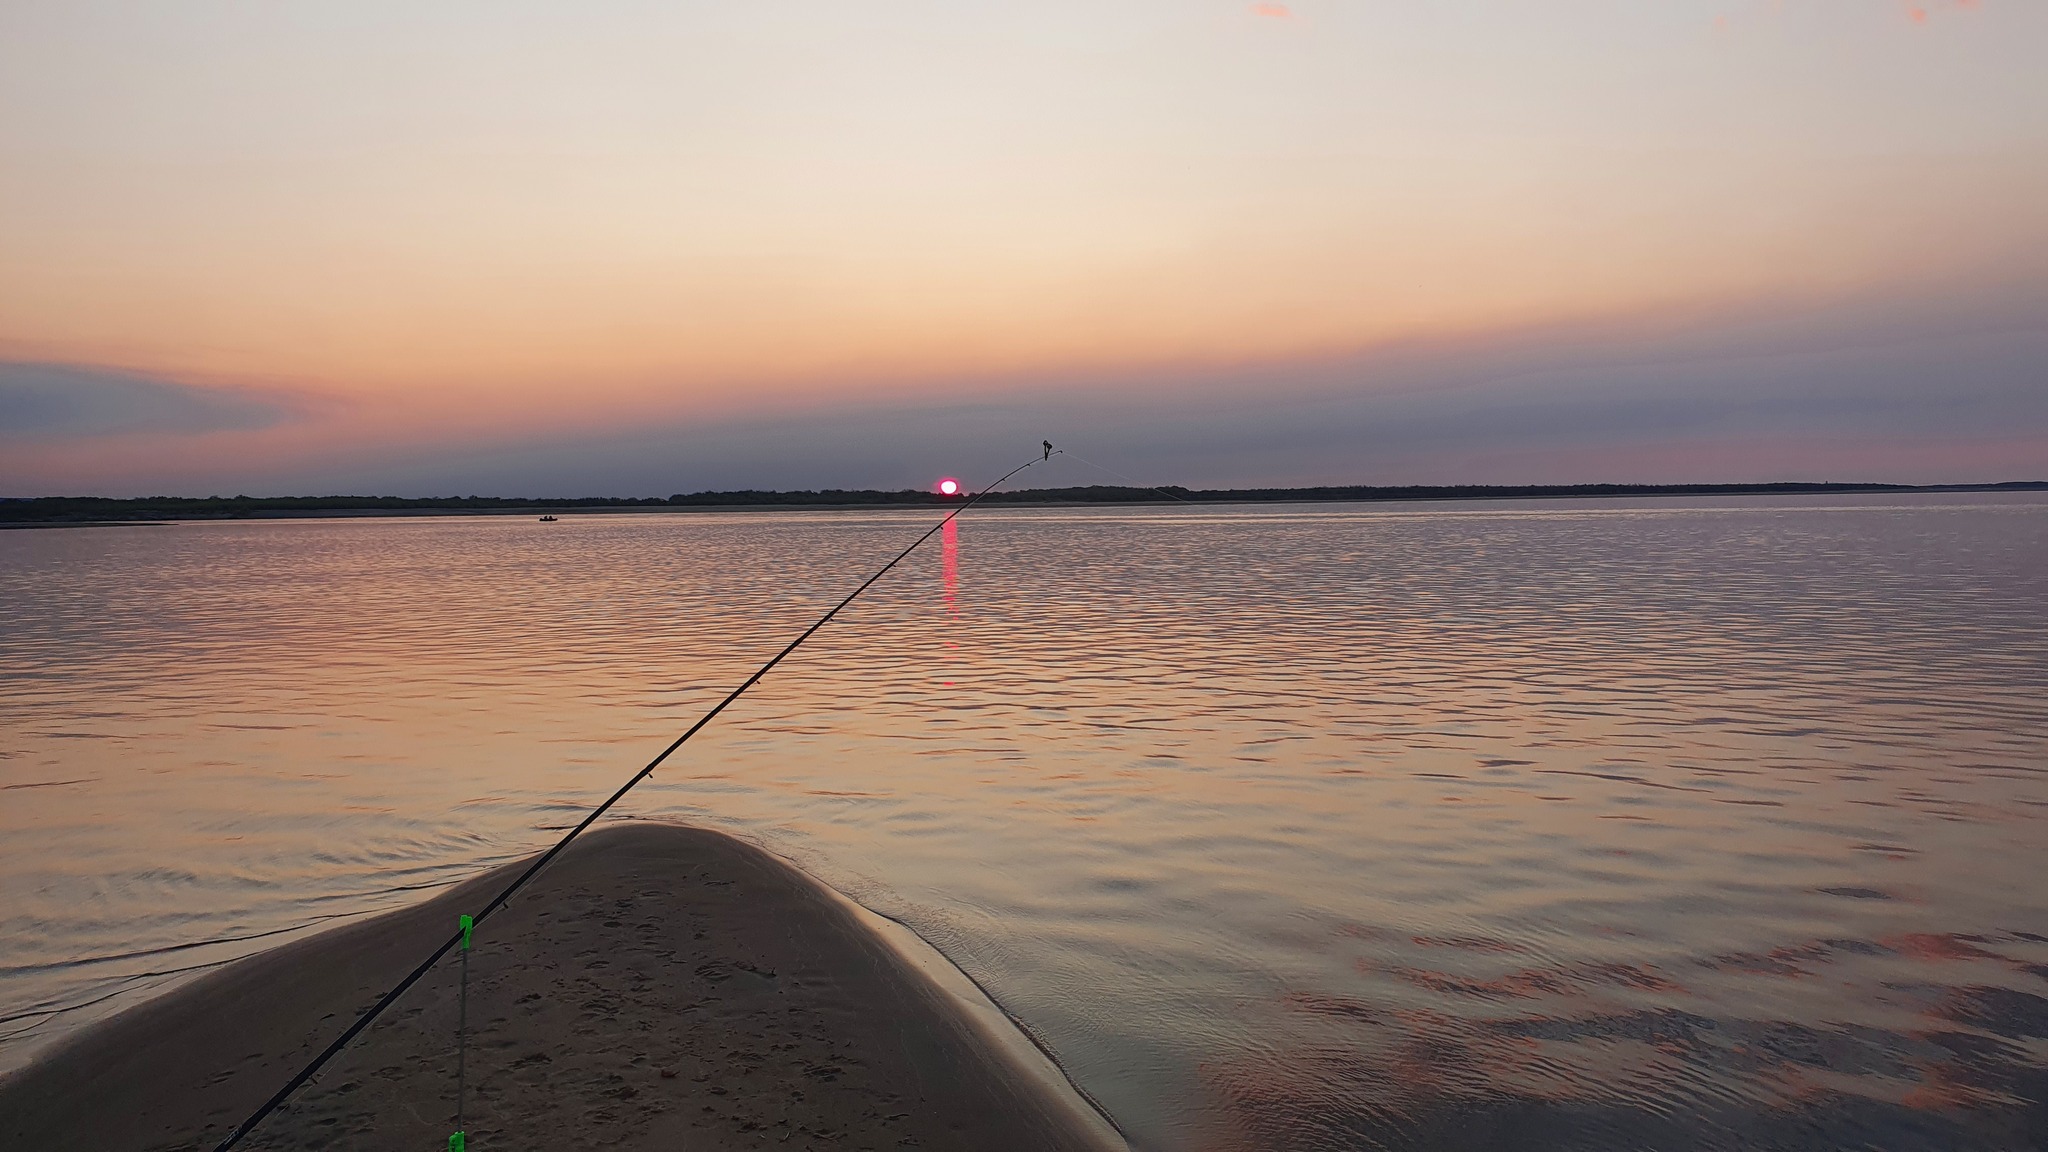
pixel 656 986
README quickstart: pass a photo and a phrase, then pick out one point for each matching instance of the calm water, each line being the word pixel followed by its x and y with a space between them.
pixel 1651 824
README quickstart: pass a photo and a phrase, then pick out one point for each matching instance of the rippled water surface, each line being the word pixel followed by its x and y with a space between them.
pixel 1509 825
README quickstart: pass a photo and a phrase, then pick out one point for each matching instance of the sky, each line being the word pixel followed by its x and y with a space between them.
pixel 624 248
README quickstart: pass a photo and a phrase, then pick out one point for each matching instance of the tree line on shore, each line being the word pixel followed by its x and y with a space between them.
pixel 76 509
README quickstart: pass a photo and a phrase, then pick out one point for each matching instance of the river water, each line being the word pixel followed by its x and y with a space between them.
pixel 1653 823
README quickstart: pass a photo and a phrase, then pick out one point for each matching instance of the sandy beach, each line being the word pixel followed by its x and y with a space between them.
pixel 656 987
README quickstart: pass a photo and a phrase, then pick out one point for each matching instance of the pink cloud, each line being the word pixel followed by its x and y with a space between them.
pixel 1920 11
pixel 1915 11
pixel 1275 11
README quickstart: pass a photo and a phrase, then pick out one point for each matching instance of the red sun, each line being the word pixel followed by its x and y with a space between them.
pixel 949 487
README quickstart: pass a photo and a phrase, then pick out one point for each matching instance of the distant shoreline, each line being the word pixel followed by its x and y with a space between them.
pixel 63 511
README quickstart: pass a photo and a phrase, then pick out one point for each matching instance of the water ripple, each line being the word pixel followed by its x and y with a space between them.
pixel 1684 824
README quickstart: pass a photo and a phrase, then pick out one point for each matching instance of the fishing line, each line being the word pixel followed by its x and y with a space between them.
pixel 459 1142
pixel 1121 476
pixel 461 934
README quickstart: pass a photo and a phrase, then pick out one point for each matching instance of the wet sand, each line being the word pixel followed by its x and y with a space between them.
pixel 655 987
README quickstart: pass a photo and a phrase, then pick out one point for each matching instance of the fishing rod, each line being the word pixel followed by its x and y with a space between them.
pixel 461 935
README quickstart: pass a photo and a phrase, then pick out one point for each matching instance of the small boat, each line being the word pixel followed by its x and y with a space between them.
pixel 547 519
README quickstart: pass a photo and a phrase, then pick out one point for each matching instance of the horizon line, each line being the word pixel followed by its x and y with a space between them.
pixel 76 509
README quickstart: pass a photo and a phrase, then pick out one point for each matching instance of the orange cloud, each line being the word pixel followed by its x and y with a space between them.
pixel 1919 13
pixel 1916 11
pixel 1276 11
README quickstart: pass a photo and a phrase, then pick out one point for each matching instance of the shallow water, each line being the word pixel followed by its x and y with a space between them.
pixel 1712 824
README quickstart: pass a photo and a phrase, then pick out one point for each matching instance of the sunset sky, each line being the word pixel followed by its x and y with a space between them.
pixel 639 248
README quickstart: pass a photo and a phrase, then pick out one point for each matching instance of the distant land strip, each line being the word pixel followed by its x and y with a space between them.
pixel 58 510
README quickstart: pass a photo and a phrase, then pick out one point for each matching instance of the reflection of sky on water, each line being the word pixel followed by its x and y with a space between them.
pixel 1513 825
